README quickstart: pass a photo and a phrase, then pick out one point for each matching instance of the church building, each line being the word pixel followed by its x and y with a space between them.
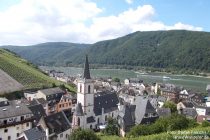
pixel 93 109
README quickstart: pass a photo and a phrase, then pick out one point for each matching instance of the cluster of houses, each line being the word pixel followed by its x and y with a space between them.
pixel 52 114
pixel 60 76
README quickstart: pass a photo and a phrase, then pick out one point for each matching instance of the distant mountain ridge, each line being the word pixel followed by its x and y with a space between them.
pixel 178 49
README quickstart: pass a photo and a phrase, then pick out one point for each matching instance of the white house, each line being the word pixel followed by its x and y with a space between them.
pixel 15 117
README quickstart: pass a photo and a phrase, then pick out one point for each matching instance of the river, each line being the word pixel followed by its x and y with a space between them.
pixel 188 82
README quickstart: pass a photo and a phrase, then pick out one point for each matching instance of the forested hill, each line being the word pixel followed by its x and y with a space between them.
pixel 160 49
pixel 50 53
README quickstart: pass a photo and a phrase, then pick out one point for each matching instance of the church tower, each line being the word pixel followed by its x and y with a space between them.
pixel 85 91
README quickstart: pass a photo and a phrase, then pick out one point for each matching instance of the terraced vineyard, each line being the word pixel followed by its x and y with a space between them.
pixel 24 72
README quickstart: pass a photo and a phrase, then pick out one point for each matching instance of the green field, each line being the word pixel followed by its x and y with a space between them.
pixel 24 72
pixel 197 133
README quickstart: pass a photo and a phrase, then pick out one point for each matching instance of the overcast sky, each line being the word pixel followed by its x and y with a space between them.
pixel 26 22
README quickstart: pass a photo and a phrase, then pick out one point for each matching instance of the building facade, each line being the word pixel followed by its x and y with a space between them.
pixel 15 117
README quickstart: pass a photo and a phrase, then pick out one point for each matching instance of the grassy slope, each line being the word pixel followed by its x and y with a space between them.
pixel 23 72
pixel 194 132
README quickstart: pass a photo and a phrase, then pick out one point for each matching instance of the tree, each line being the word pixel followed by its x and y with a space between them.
pixel 116 79
pixel 205 124
pixel 192 123
pixel 53 85
pixel 83 134
pixel 139 130
pixel 112 127
pixel 163 124
pixel 178 122
pixel 171 105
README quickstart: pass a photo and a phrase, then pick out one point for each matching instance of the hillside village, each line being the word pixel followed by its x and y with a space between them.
pixel 54 113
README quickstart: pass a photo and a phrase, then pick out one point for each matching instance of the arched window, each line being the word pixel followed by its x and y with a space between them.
pixel 88 88
pixel 80 88
pixel 78 121
pixel 91 126
pixel 98 121
pixel 105 118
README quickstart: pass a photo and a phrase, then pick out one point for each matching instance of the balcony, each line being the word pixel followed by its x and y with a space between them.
pixel 13 123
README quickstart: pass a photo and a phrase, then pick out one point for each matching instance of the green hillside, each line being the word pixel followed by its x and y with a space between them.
pixel 189 134
pixel 51 53
pixel 159 49
pixel 24 72
pixel 175 49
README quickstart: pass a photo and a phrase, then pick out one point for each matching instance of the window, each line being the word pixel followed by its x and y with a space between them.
pixel 69 104
pixel 9 137
pixel 105 118
pixel 5 121
pixel 5 130
pixel 18 134
pixel 88 88
pixel 27 124
pixel 78 121
pixel 17 128
pixel 91 126
pixel 22 118
pixel 60 105
pixel 80 88
pixel 61 135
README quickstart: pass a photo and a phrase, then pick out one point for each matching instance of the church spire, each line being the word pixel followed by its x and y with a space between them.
pixel 86 69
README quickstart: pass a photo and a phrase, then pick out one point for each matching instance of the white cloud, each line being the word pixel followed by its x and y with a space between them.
pixel 37 21
pixel 129 1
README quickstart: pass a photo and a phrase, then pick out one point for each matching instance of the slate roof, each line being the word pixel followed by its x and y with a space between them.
pixel 188 104
pixel 135 80
pixel 38 111
pixel 78 110
pixel 161 99
pixel 90 119
pixel 106 100
pixel 15 108
pixel 189 112
pixel 115 83
pixel 53 95
pixel 34 133
pixel 51 91
pixel 163 112
pixel 127 117
pixel 42 101
pixel 38 101
pixel 57 123
pixel 143 106
pixel 86 74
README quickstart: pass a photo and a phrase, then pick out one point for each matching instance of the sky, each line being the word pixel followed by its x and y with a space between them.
pixel 28 22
